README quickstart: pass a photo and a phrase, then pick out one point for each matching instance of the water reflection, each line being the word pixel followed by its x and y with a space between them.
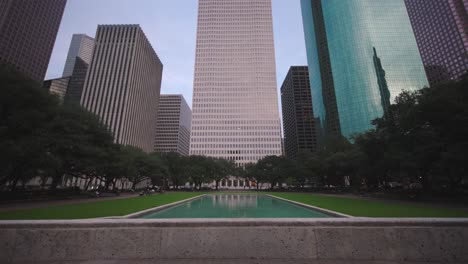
pixel 382 82
pixel 234 201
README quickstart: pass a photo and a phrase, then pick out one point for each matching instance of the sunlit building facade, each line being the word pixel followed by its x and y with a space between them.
pixel 235 100
pixel 361 55
pixel 123 84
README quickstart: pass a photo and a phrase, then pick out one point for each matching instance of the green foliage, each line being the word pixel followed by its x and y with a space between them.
pixel 421 139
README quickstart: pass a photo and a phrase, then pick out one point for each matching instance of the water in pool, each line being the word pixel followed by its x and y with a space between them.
pixel 237 206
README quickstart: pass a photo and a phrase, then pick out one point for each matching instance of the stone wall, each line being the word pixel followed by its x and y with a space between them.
pixel 354 240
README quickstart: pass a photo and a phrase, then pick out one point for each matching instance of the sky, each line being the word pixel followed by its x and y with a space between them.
pixel 170 26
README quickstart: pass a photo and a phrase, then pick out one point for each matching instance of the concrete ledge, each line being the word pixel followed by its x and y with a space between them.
pixel 338 240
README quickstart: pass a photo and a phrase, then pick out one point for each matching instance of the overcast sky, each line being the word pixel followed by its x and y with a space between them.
pixel 170 26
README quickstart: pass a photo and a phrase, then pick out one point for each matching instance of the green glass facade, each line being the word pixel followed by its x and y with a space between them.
pixel 361 55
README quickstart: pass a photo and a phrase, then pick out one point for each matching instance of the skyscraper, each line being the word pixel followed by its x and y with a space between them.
pixel 81 46
pixel 173 125
pixel 70 88
pixel 57 87
pixel 27 34
pixel 298 116
pixel 77 80
pixel 123 84
pixel 441 29
pixel 235 101
pixel 361 55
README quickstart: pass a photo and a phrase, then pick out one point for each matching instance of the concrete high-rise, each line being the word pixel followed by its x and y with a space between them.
pixel 77 80
pixel 57 87
pixel 123 84
pixel 235 101
pixel 298 116
pixel 361 55
pixel 441 29
pixel 27 34
pixel 82 47
pixel 173 125
pixel 70 88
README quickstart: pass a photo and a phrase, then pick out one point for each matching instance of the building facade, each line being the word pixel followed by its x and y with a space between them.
pixel 57 87
pixel 81 46
pixel 123 84
pixel 28 30
pixel 173 125
pixel 298 115
pixel 441 29
pixel 361 55
pixel 235 101
pixel 77 80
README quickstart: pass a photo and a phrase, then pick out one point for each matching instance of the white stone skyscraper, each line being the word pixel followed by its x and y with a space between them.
pixel 235 101
pixel 81 46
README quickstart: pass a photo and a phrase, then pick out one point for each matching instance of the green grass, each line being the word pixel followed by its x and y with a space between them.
pixel 121 207
pixel 372 208
pixel 118 207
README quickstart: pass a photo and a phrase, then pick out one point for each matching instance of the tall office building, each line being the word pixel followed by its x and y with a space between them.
pixel 82 47
pixel 298 116
pixel 77 80
pixel 57 87
pixel 173 125
pixel 27 34
pixel 235 101
pixel 70 88
pixel 123 84
pixel 361 55
pixel 441 29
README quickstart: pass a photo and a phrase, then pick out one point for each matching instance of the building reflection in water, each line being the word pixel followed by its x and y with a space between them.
pixel 233 201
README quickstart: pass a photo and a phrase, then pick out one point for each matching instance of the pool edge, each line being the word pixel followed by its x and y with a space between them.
pixel 159 208
pixel 322 210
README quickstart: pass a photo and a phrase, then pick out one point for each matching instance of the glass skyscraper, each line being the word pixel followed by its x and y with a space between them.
pixel 361 55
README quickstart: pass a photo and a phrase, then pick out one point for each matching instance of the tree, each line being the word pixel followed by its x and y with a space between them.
pixel 175 168
pixel 273 169
pixel 219 169
pixel 79 140
pixel 25 111
pixel 422 138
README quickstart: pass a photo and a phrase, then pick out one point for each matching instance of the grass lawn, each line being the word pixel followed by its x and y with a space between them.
pixel 372 208
pixel 118 207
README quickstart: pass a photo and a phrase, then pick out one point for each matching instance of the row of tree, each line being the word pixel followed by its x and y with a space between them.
pixel 40 137
pixel 421 141
pixel 422 138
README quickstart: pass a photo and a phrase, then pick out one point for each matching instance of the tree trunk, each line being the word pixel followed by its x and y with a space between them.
pixel 217 184
pixel 14 183
pixel 55 181
pixel 89 183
